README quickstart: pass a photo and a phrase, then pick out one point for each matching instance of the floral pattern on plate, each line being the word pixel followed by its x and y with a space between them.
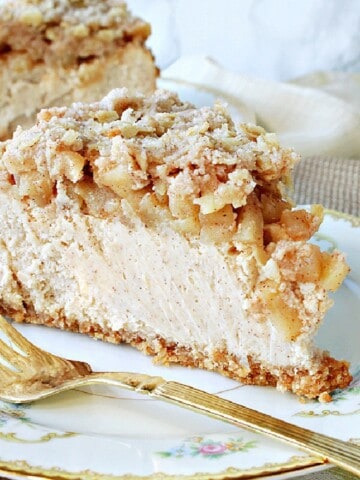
pixel 208 448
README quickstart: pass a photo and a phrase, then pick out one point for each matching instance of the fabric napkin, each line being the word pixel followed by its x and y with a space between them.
pixel 307 114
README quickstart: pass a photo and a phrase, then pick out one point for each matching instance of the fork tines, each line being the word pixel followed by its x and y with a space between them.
pixel 15 358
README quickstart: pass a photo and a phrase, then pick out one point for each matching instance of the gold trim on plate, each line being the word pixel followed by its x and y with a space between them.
pixel 21 468
pixel 355 221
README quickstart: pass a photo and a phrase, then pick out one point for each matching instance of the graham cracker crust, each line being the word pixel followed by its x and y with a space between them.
pixel 332 374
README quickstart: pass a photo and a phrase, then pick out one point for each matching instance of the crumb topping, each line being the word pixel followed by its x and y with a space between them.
pixel 192 164
pixel 67 31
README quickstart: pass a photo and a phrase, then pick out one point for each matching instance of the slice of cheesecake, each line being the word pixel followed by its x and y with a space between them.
pixel 145 220
pixel 58 52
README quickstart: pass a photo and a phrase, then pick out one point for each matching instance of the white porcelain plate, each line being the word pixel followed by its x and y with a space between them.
pixel 103 432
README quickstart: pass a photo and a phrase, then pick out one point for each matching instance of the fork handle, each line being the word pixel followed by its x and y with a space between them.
pixel 337 452
pixel 327 449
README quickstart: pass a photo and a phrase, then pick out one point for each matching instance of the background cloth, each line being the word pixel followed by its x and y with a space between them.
pixel 315 115
pixel 332 181
pixel 328 474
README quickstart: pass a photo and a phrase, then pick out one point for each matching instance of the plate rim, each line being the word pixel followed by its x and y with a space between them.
pixel 297 464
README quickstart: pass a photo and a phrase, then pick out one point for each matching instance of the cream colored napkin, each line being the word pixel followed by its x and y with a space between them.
pixel 316 115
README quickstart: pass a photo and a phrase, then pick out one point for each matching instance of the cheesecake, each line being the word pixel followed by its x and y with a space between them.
pixel 55 52
pixel 144 220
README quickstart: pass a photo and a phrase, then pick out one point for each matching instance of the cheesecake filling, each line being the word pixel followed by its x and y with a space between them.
pixel 125 275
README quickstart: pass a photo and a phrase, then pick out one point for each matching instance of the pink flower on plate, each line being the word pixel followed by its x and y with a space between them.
pixel 212 448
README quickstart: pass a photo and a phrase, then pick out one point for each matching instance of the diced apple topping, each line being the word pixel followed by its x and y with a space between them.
pixel 284 317
pixel 334 270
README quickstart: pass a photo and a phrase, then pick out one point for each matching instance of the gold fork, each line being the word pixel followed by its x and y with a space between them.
pixel 28 373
